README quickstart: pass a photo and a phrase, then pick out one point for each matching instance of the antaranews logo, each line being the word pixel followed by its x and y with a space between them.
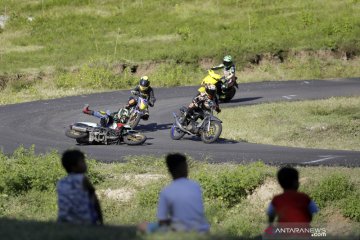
pixel 300 232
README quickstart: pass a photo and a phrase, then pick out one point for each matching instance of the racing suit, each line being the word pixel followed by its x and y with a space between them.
pixel 106 118
pixel 201 102
pixel 148 94
pixel 229 75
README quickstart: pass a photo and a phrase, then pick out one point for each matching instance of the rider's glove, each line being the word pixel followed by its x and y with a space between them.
pixel 133 92
pixel 218 110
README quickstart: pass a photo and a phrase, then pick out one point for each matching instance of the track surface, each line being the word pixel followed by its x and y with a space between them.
pixel 43 123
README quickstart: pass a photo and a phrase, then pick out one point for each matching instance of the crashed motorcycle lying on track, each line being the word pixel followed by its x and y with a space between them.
pixel 92 133
pixel 202 123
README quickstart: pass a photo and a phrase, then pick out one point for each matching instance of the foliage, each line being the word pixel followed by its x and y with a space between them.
pixel 73 32
pixel 149 196
pixel 331 123
pixel 233 184
pixel 331 188
pixel 24 170
pixel 350 206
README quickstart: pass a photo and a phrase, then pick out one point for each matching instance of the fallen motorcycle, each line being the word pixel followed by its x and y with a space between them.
pixel 92 133
pixel 202 123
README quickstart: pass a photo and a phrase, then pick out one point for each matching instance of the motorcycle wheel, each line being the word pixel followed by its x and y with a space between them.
pixel 134 139
pixel 229 95
pixel 84 140
pixel 134 120
pixel 176 133
pixel 214 133
pixel 75 134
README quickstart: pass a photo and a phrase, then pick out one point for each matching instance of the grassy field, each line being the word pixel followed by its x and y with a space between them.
pixel 235 196
pixel 52 48
pixel 331 124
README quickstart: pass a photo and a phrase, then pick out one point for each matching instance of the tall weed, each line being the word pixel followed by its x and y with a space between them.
pixel 24 170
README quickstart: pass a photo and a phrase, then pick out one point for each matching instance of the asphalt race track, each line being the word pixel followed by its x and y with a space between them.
pixel 43 123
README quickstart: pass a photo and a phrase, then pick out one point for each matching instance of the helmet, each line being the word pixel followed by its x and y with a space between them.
pixel 227 61
pixel 210 90
pixel 144 83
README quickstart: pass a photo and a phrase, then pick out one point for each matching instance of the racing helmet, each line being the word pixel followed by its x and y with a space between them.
pixel 210 90
pixel 144 83
pixel 227 61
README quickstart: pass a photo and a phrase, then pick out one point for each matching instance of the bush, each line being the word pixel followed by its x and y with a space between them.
pixel 232 185
pixel 350 206
pixel 25 170
pixel 331 188
pixel 95 75
pixel 149 196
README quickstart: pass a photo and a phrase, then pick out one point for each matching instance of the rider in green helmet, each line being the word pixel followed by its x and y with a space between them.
pixel 229 70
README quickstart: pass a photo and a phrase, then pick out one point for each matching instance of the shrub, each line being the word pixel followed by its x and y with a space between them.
pixel 350 206
pixel 24 170
pixel 331 188
pixel 95 75
pixel 149 196
pixel 232 185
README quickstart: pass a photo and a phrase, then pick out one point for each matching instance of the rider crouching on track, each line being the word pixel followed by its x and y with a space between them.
pixel 229 71
pixel 107 118
pixel 146 91
pixel 202 101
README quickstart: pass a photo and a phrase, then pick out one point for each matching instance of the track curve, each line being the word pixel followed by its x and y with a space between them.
pixel 43 123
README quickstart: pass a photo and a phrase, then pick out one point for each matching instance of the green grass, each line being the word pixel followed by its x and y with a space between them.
pixel 71 33
pixel 128 193
pixel 172 42
pixel 331 124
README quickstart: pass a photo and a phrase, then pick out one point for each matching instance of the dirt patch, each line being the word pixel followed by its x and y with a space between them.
pixel 147 68
pixel 263 195
pixel 143 179
pixel 159 38
pixel 30 48
pixel 206 63
pixel 121 194
pixel 336 223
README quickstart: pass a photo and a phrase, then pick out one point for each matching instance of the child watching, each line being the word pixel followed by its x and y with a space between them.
pixel 180 206
pixel 77 201
pixel 291 206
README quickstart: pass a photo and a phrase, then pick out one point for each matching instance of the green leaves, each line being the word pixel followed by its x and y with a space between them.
pixel 234 184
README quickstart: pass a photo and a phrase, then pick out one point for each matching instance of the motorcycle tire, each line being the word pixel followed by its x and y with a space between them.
pixel 229 95
pixel 76 134
pixel 176 133
pixel 134 139
pixel 134 120
pixel 84 140
pixel 217 131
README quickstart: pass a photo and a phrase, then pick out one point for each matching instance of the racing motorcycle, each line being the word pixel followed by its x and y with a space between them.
pixel 92 133
pixel 226 89
pixel 138 111
pixel 202 123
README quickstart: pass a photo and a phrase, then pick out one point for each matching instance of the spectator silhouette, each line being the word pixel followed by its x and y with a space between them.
pixel 77 201
pixel 180 206
pixel 292 208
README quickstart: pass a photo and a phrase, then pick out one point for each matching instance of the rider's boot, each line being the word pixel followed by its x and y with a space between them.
pixel 86 110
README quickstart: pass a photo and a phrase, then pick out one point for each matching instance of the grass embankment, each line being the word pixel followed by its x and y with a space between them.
pixel 47 46
pixel 330 124
pixel 236 196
